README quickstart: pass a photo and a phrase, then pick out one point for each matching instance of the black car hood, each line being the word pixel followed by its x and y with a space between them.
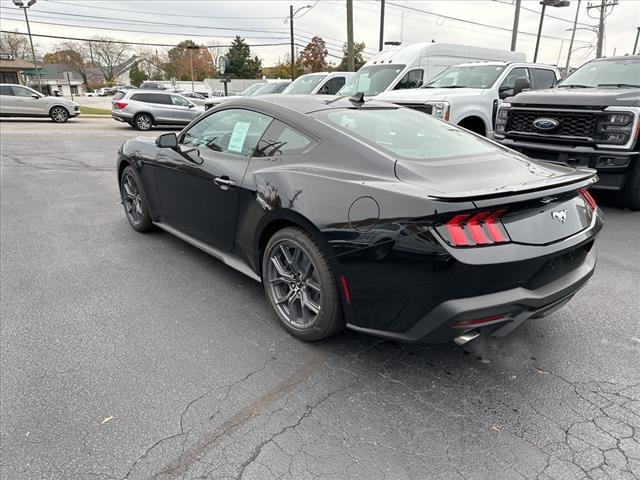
pixel 496 174
pixel 583 97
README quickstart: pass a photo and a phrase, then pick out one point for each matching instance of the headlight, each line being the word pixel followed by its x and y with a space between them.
pixel 501 119
pixel 440 109
pixel 614 128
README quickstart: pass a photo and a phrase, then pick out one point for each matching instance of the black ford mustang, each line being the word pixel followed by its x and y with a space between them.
pixel 368 215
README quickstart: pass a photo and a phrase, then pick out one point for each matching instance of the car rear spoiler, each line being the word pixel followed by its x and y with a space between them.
pixel 581 178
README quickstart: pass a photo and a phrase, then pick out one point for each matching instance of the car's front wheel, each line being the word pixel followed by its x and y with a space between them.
pixel 134 201
pixel 143 121
pixel 59 114
pixel 300 285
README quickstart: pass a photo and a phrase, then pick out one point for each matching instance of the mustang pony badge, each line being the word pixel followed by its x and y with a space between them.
pixel 560 215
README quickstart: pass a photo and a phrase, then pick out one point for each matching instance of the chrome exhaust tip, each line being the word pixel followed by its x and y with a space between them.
pixel 465 338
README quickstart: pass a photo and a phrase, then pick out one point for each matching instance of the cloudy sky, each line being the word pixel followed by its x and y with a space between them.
pixel 262 23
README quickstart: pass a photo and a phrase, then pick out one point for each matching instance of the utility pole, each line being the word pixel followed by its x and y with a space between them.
pixel 573 34
pixel 603 6
pixel 514 32
pixel 350 59
pixel 381 45
pixel 193 88
pixel 293 58
pixel 635 45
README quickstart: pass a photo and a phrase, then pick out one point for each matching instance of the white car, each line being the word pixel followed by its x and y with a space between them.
pixel 21 101
pixel 469 94
pixel 321 83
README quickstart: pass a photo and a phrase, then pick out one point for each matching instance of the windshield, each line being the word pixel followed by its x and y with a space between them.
pixel 304 84
pixel 605 74
pixel 266 88
pixel 470 76
pixel 372 79
pixel 405 133
pixel 247 92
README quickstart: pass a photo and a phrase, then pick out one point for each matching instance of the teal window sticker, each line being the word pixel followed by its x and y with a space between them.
pixel 238 136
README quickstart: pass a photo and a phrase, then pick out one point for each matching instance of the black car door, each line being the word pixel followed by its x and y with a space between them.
pixel 199 182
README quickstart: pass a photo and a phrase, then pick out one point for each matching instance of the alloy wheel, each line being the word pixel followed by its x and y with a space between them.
pixel 293 285
pixel 143 122
pixel 132 199
pixel 59 115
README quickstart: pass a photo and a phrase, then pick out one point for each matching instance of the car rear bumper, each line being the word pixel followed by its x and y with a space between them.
pixel 121 117
pixel 612 165
pixel 503 311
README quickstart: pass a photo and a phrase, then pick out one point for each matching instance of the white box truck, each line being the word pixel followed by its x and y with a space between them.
pixel 409 66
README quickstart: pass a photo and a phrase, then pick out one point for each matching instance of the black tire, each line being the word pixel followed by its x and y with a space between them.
pixel 59 114
pixel 630 196
pixel 143 122
pixel 329 319
pixel 134 201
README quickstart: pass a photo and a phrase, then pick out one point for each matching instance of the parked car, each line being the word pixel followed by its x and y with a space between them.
pixel 469 94
pixel 91 94
pixel 264 88
pixel 147 85
pixel 591 119
pixel 275 185
pixel 105 91
pixel 409 66
pixel 21 101
pixel 142 109
pixel 195 97
pixel 324 83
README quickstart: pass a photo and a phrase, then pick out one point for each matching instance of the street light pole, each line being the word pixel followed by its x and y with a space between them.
pixel 535 55
pixel 514 32
pixel 635 45
pixel 573 34
pixel 292 14
pixel 350 53
pixel 21 4
pixel 381 44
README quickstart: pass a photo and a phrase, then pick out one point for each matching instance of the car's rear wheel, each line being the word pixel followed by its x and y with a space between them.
pixel 143 121
pixel 59 114
pixel 301 286
pixel 134 201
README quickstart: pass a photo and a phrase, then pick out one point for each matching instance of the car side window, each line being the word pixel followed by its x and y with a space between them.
pixel 543 78
pixel 280 139
pixel 506 87
pixel 6 90
pixel 21 91
pixel 334 85
pixel 235 131
pixel 411 79
pixel 179 101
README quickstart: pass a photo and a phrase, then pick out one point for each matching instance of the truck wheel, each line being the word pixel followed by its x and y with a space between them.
pixel 630 195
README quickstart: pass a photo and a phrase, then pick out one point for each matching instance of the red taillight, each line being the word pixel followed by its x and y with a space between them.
pixel 120 105
pixel 482 228
pixel 588 198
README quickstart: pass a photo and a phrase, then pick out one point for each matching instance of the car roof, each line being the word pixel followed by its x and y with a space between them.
pixel 619 57
pixel 303 103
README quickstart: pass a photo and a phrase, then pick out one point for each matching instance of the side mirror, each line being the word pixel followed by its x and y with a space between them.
pixel 167 140
pixel 521 85
pixel 191 105
pixel 35 95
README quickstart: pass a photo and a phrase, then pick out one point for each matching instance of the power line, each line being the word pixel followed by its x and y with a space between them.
pixel 122 42
pixel 547 15
pixel 14 19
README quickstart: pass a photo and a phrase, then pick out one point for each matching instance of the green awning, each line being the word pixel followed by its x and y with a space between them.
pixel 34 72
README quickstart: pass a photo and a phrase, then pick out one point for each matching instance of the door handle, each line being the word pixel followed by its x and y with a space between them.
pixel 224 183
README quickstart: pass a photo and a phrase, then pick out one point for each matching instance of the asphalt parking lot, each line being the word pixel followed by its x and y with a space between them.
pixel 137 356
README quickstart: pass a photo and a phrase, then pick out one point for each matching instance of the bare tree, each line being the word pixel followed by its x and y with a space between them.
pixel 17 44
pixel 73 54
pixel 108 54
pixel 152 61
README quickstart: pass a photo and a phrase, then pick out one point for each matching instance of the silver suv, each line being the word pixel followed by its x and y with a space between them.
pixel 21 101
pixel 143 109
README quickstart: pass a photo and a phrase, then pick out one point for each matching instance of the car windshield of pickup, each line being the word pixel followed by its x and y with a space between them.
pixel 466 76
pixel 618 73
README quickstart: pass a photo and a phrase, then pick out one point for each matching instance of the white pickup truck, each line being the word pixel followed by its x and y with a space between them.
pixel 468 94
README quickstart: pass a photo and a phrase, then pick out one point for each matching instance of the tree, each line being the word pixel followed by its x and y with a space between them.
pixel 17 44
pixel 241 64
pixel 358 61
pixel 314 55
pixel 137 76
pixel 72 54
pixel 108 55
pixel 180 59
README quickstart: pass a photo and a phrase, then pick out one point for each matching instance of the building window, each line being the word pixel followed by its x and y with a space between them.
pixel 74 90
